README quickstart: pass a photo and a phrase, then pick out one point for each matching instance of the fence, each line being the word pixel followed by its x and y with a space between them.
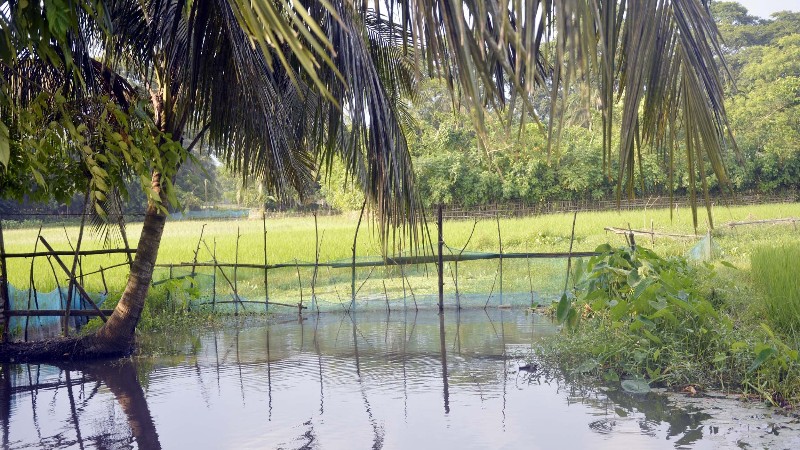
pixel 71 306
pixel 523 209
pixel 435 276
pixel 405 280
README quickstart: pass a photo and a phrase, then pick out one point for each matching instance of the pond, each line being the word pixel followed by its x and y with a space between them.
pixel 404 380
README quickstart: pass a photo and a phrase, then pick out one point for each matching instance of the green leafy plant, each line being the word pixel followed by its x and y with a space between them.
pixel 659 323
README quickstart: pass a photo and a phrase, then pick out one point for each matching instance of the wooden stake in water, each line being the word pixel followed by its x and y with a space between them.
pixel 235 273
pixel 441 264
pixel 353 267
pixel 266 270
pixel 214 278
pixel 500 242
pixel 569 256
pixel 299 283
pixel 316 265
pixel 4 296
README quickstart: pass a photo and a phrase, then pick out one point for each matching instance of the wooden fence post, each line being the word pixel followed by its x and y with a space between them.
pixel 441 263
pixel 5 302
pixel 266 270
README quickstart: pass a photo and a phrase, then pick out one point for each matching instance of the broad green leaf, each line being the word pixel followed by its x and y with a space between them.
pixel 586 366
pixel 5 145
pixel 563 308
pixel 762 356
pixel 636 386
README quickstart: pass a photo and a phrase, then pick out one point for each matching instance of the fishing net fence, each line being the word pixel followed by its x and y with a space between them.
pixel 470 279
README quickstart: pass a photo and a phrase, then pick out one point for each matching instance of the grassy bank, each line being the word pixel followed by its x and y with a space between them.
pixel 669 322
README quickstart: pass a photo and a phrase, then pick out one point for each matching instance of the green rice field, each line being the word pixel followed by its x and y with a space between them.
pixel 291 240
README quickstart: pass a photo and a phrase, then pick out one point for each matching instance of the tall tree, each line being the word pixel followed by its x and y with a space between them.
pixel 280 88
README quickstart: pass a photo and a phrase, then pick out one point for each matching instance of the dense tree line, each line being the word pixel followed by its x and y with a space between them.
pixel 763 101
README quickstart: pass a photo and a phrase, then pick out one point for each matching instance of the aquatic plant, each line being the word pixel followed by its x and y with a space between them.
pixel 657 321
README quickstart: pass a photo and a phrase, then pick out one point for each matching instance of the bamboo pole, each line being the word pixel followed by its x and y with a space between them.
pixel 32 284
pixel 266 272
pixel 500 242
pixel 103 277
pixel 75 260
pixel 110 251
pixel 80 289
pixel 316 265
pixel 103 269
pixel 235 274
pixel 569 258
pixel 299 282
pixel 197 249
pixel 651 233
pixel 58 312
pixel 169 291
pixel 530 277
pixel 353 267
pixel 214 279
pixel 427 259
pixel 4 292
pixel 441 263
pixel 124 235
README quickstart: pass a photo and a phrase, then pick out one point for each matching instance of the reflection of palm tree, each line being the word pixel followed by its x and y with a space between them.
pixel 121 380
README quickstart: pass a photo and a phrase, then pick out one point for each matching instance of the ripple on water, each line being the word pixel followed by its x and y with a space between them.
pixel 330 382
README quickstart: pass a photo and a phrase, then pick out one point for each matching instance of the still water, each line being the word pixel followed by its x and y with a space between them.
pixel 369 381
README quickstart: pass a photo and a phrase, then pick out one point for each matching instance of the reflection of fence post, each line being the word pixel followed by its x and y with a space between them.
pixel 5 301
pixel 441 264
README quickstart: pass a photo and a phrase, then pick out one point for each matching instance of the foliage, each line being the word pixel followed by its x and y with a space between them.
pixel 654 303
pixel 637 315
pixel 52 157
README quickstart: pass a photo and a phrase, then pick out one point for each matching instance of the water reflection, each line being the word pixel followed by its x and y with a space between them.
pixel 81 385
pixel 379 381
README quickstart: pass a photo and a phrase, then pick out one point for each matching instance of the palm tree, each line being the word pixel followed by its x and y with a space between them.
pixel 281 88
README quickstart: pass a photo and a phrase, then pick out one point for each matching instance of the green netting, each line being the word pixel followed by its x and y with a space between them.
pixel 41 327
pixel 470 280
pixel 705 250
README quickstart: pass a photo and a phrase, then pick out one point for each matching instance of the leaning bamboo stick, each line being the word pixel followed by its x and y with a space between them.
pixel 764 221
pixel 627 231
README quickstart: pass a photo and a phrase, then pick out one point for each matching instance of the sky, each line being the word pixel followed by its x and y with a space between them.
pixel 764 8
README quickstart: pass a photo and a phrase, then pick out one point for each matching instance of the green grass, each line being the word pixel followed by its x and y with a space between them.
pixel 775 276
pixel 290 239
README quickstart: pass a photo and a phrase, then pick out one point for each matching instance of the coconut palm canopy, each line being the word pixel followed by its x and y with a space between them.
pixel 278 87
pixel 128 87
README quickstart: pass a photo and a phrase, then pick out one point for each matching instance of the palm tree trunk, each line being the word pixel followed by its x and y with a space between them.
pixel 116 335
